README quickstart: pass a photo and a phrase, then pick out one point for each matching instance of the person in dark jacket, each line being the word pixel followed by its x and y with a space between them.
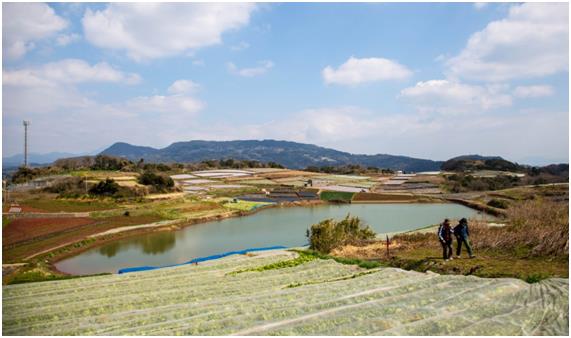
pixel 462 234
pixel 445 238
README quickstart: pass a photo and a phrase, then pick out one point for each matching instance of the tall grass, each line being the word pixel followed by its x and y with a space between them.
pixel 538 227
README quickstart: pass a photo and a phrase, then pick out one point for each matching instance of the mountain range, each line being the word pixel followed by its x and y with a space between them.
pixel 33 158
pixel 292 155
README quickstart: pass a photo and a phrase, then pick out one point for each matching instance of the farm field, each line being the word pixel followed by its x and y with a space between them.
pixel 28 236
pixel 252 295
pixel 25 229
pixel 51 204
pixel 373 197
pixel 337 196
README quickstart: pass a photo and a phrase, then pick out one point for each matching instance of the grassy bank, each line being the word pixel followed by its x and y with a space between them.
pixel 533 244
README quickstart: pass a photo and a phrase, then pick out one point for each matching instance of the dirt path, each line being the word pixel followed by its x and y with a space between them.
pixel 46 214
pixel 134 227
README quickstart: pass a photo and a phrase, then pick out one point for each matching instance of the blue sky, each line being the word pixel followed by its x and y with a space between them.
pixel 421 79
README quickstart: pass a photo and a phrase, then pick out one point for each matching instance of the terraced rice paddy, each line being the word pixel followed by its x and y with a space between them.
pixel 320 297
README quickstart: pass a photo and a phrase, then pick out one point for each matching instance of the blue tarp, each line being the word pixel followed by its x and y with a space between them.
pixel 201 259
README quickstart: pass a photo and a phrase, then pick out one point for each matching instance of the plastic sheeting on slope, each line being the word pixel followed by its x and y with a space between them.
pixel 320 297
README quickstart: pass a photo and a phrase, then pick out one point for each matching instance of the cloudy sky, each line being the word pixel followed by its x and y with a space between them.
pixel 424 80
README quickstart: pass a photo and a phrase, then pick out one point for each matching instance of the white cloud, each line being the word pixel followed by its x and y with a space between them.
pixel 23 24
pixel 165 104
pixel 66 39
pixel 183 87
pixel 532 41
pixel 67 119
pixel 66 72
pixel 198 63
pixel 435 136
pixel 533 91
pixel 262 68
pixel 149 30
pixel 241 46
pixel 450 97
pixel 356 71
pixel 480 5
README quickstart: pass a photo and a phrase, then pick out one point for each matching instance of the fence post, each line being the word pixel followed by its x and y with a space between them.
pixel 388 247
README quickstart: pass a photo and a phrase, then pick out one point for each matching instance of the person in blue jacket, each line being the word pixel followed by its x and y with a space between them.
pixel 445 238
pixel 462 234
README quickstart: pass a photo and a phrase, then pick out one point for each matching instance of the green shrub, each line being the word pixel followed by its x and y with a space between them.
pixel 536 278
pixel 159 182
pixel 330 234
pixel 69 187
pixel 25 174
pixel 105 188
pixel 104 162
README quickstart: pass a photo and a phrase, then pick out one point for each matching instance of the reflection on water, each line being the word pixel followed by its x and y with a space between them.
pixel 277 226
pixel 158 243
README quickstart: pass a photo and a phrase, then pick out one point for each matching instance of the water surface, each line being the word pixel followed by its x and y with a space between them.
pixel 277 226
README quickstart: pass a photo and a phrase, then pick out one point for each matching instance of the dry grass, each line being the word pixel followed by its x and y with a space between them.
pixel 369 250
pixel 540 226
pixel 537 228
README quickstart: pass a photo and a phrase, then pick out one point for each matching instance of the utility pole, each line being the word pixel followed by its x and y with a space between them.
pixel 26 124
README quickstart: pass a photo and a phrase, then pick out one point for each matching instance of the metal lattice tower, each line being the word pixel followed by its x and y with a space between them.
pixel 26 124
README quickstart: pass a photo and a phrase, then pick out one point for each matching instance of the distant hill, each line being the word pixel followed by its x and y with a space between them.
pixel 17 160
pixel 289 154
pixel 475 157
pixel 478 162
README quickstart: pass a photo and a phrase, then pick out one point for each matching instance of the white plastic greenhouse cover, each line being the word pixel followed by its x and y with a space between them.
pixel 320 297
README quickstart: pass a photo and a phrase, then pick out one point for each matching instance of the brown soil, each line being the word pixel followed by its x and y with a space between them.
pixel 366 196
pixel 63 231
pixel 288 173
pixel 25 229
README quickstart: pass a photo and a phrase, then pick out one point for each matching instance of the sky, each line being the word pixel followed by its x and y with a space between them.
pixel 428 80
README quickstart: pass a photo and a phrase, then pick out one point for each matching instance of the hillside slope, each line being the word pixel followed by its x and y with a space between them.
pixel 320 297
pixel 290 154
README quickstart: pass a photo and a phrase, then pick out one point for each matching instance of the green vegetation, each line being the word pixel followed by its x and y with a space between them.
pixel 33 276
pixel 5 221
pixel 337 196
pixel 66 205
pixel 25 174
pixel 159 183
pixel 355 275
pixel 103 162
pixel 465 182
pixel 351 169
pixel 242 205
pixel 105 188
pixel 330 234
pixel 301 259
pixel 112 163
pixel 463 164
pixel 365 264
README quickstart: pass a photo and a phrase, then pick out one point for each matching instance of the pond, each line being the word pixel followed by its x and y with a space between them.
pixel 271 227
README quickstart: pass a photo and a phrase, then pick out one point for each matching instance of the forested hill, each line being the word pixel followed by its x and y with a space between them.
pixel 289 154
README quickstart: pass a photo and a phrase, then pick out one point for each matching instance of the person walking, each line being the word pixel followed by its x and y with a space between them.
pixel 462 234
pixel 445 238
